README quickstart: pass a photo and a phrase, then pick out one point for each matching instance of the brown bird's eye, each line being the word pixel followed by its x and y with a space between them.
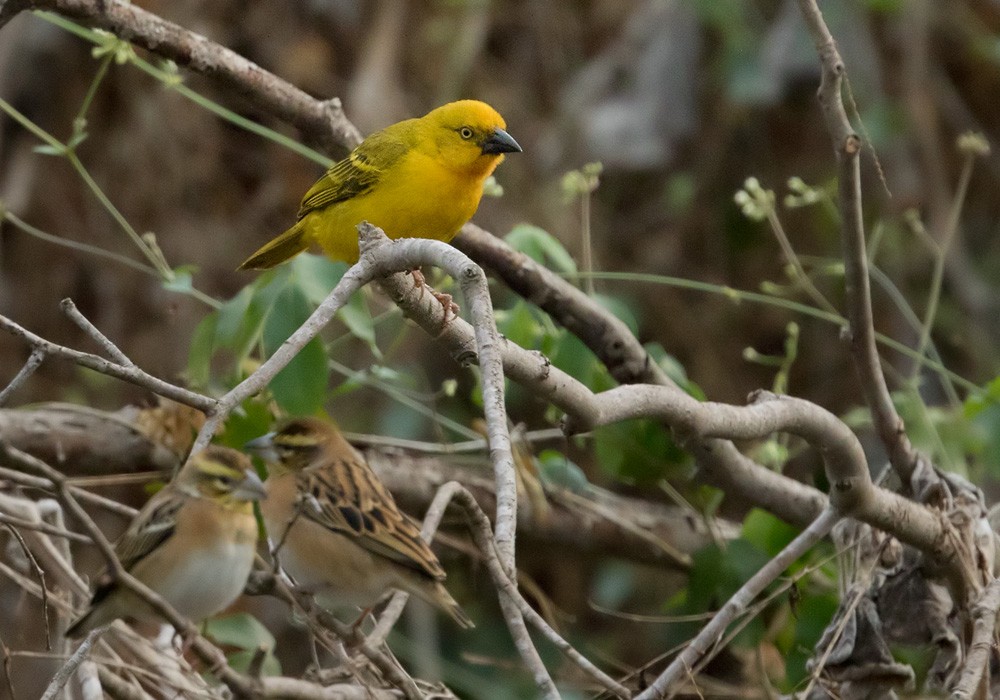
pixel 465 132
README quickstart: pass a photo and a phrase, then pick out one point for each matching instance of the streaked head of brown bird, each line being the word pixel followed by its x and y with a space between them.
pixel 298 443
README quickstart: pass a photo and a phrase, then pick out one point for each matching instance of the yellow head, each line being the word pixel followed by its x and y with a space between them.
pixel 299 443
pixel 222 475
pixel 468 136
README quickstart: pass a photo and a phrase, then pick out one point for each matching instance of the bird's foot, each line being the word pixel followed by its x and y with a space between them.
pixel 451 309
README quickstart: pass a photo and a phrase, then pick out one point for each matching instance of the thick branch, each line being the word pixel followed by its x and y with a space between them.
pixel 720 463
pixel 853 494
pixel 322 122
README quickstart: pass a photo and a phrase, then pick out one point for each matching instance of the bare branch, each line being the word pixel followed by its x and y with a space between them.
pixel 321 121
pixel 853 493
pixel 701 646
pixel 69 668
pixel 33 362
pixel 861 327
pixel 981 648
pixel 721 464
pixel 130 373
pixel 69 308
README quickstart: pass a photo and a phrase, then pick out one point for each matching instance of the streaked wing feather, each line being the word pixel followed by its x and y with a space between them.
pixel 154 525
pixel 356 174
pixel 351 501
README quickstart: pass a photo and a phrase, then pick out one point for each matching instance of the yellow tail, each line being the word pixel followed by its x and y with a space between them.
pixel 274 252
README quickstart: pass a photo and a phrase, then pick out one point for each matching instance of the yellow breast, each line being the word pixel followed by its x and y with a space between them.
pixel 418 198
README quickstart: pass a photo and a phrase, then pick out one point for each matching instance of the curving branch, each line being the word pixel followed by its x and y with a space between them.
pixel 321 121
pixel 853 492
pixel 861 326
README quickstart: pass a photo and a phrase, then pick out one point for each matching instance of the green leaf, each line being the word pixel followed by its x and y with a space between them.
pixel 620 310
pixel 247 634
pixel 316 275
pixel 767 532
pixel 358 319
pixel 520 325
pixel 542 247
pixel 301 386
pixel 638 451
pixel 199 365
pixel 674 369
pixel 240 630
pixel 557 469
pixel 232 324
pixel 183 279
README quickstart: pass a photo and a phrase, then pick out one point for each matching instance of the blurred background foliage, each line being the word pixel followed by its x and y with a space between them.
pixel 677 102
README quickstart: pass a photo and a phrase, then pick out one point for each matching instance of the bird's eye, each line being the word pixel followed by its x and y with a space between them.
pixel 465 132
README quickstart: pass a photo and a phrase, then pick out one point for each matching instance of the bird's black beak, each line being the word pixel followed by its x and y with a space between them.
pixel 500 142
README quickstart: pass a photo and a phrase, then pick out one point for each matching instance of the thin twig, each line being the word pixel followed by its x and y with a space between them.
pixel 41 580
pixel 702 645
pixel 33 362
pixel 131 373
pixel 69 668
pixel 69 308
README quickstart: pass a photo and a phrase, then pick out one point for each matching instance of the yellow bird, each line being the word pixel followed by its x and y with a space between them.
pixel 193 543
pixel 419 178
pixel 336 529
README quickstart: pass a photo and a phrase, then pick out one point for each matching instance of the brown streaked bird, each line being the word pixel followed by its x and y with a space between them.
pixel 193 543
pixel 335 528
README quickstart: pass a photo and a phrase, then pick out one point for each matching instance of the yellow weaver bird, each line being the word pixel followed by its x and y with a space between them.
pixel 419 178
pixel 193 543
pixel 335 528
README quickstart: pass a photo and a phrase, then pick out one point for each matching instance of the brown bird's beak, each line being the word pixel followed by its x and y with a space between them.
pixel 263 447
pixel 250 489
pixel 500 142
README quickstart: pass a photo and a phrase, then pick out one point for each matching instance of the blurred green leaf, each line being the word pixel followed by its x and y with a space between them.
pixel 316 275
pixel 557 469
pixel 199 365
pixel 301 386
pixel 183 280
pixel 520 324
pixel 767 532
pixel 247 634
pixel 674 369
pixel 240 630
pixel 637 451
pixel 613 583
pixel 620 309
pixel 813 614
pixel 358 319
pixel 542 247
